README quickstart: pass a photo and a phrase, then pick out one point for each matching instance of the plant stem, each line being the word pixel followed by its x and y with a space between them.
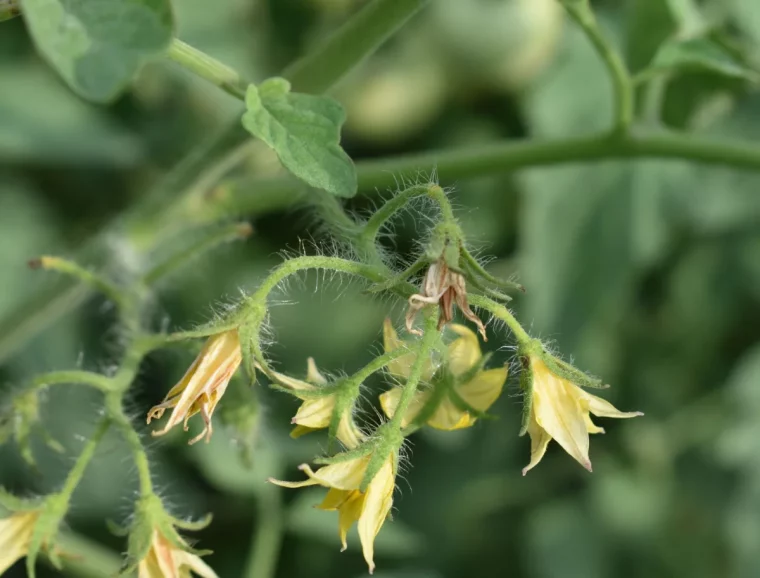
pixel 96 380
pixel 208 68
pixel 622 84
pixel 359 37
pixel 427 343
pixel 88 451
pixel 267 539
pixel 503 314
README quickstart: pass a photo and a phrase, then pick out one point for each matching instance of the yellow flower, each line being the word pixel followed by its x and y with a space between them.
pixel 369 508
pixel 443 286
pixel 560 411
pixel 15 535
pixel 203 384
pixel 166 560
pixel 316 411
pixel 476 391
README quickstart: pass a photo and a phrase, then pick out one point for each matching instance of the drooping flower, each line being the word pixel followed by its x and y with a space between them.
pixel 369 508
pixel 456 399
pixel 15 535
pixel 443 286
pixel 561 411
pixel 166 559
pixel 202 386
pixel 317 409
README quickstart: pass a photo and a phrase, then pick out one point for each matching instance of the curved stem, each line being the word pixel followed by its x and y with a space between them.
pixel 396 203
pixel 503 314
pixel 359 37
pixel 267 539
pixel 88 451
pixel 581 12
pixel 427 343
pixel 208 68
pixel 96 380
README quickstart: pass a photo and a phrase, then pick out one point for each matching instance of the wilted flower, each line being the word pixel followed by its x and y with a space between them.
pixel 457 404
pixel 560 410
pixel 369 508
pixel 317 408
pixel 203 384
pixel 166 559
pixel 15 535
pixel 443 286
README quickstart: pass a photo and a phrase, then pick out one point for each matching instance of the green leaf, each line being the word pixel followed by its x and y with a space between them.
pixel 304 131
pixel 97 46
pixel 701 54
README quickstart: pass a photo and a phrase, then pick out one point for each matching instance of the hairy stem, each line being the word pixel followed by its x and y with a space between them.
pixel 503 314
pixel 208 68
pixel 88 451
pixel 96 380
pixel 427 343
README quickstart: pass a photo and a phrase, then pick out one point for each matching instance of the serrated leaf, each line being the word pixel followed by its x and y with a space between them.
pixel 304 131
pixel 700 54
pixel 96 45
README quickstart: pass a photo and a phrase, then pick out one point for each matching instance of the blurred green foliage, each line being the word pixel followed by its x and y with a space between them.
pixel 646 273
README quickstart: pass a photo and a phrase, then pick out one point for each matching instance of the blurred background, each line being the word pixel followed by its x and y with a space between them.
pixel 646 273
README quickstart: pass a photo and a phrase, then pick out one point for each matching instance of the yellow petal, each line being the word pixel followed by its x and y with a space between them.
pixel 348 434
pixel 591 426
pixel 292 383
pixel 389 402
pixel 301 430
pixel 349 506
pixel 377 505
pixel 15 534
pixel 346 475
pixel 603 408
pixel 312 373
pixel 484 389
pixel 334 499
pixel 539 439
pixel 315 413
pixel 448 417
pixel 556 407
pixel 464 352
pixel 185 560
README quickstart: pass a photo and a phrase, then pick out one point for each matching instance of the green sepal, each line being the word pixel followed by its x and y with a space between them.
pixel 45 529
pixel 573 374
pixel 364 449
pixel 194 525
pixel 387 441
pixel 117 529
pixel 13 503
pixel 526 386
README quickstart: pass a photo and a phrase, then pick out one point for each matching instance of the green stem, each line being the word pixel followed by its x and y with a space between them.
pixel 377 364
pixel 208 68
pixel 293 266
pixel 267 539
pixel 503 314
pixel 95 380
pixel 398 202
pixel 115 408
pixel 201 247
pixel 78 272
pixel 622 84
pixel 508 156
pixel 88 451
pixel 479 270
pixel 318 71
pixel 427 343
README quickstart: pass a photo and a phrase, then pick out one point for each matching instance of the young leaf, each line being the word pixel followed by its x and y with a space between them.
pixel 304 131
pixel 700 54
pixel 98 45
